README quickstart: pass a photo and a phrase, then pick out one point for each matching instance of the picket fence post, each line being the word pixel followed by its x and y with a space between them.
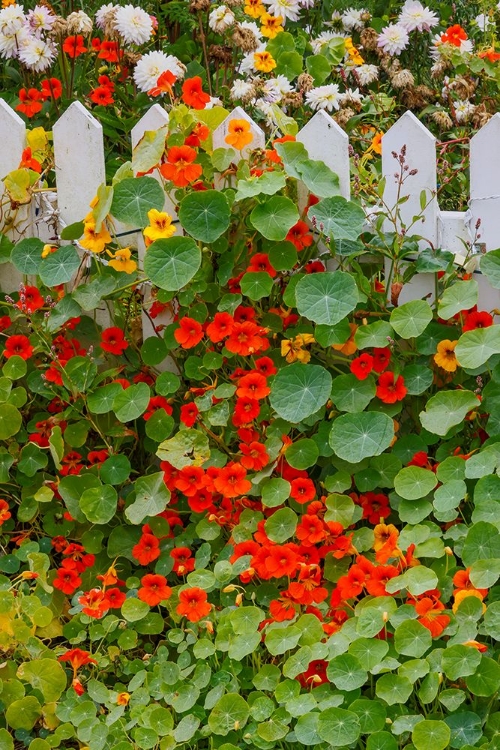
pixel 325 141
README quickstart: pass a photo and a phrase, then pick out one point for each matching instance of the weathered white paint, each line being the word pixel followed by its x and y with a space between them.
pixel 220 133
pixel 485 183
pixel 326 141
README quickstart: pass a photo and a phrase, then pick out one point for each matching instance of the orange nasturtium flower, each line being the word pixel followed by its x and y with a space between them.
pixel 490 55
pixel 193 94
pixel 160 226
pixel 445 356
pixel 239 134
pixel 264 61
pixel 254 8
pixel 92 240
pixel 271 25
pixel 163 85
pixel 454 35
pixel 350 346
pixel 386 542
pixel 193 604
pixel 122 261
pixel 179 167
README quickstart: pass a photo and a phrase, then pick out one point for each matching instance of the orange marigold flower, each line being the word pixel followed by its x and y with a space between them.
pixel 179 167
pixel 193 604
pixel 239 134
pixel 189 333
pixel 445 356
pixel 193 94
pixel 154 589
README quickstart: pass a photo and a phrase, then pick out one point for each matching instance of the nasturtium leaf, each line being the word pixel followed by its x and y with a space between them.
pixel 130 403
pixel 414 482
pixel 134 197
pixel 412 639
pixel 282 255
pixel 10 421
pixel 352 395
pixel 256 284
pixel 466 729
pixel 486 678
pixel 27 255
pixel 411 319
pixel 59 267
pixel 246 619
pixel 187 447
pixel 490 267
pixel 306 730
pixel 153 351
pixel 485 573
pixel 318 178
pixel 275 492
pixel 416 580
pixel 101 400
pixel 266 184
pixel 326 298
pixel 481 543
pixel 229 713
pixel 280 640
pixel 300 390
pixel 475 347
pixel 319 68
pixel 99 503
pixel 373 334
pixel 45 675
pixel 15 368
pixel 338 218
pixel 371 715
pixel 481 464
pixel 368 651
pixel 275 217
pixel 205 214
pixel 79 374
pixel 134 609
pixel 151 498
pixel 462 295
pixel 302 454
pixel 381 741
pixel 289 64
pixel 149 150
pixel 346 672
pixel 354 437
pixel 418 379
pixel 449 495
pixel 90 295
pixel 115 469
pixel 431 735
pixel 393 689
pixel 338 727
pixel 281 525
pixel 23 713
pixel 460 661
pixel 171 263
pixel 446 409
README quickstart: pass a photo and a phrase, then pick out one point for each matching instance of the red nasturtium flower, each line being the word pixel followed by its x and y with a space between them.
pixel 431 615
pixel 189 414
pixel 164 84
pixel 74 46
pixel 232 480
pixel 51 88
pixel 391 389
pixel 28 162
pixel 18 346
pixel 454 35
pixel 260 263
pixel 477 319
pixel 154 589
pixel 95 603
pixel 189 333
pixel 300 236
pixel 362 366
pixel 381 358
pixel 5 513
pixel 184 562
pixel 220 328
pixel 77 658
pixel 193 94
pixel 147 549
pixel 67 580
pixel 156 403
pixel 30 300
pixel 253 385
pixel 31 102
pixel 193 604
pixel 113 340
pixel 102 95
pixel 179 167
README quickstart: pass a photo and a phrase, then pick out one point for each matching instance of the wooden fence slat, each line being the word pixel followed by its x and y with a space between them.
pixel 220 133
pixel 485 183
pixel 326 141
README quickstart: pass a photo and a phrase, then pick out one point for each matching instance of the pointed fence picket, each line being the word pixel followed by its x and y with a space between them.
pixel 80 170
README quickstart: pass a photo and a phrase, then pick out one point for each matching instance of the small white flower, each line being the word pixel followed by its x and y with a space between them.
pixel 37 54
pixel 12 19
pixel 12 42
pixel 40 19
pixel 352 19
pixel 100 16
pixel 151 66
pixel 324 97
pixel 414 17
pixel 285 8
pixel 484 22
pixel 393 39
pixel 321 43
pixel 352 96
pixel 463 110
pixel 252 26
pixel 133 24
pixel 220 19
pixel 307 3
pixel 366 74
pixel 268 110
pixel 240 89
pixel 79 23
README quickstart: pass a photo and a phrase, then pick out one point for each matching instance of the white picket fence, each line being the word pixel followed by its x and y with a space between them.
pixel 80 169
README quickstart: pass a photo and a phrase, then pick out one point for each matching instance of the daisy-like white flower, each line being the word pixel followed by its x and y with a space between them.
pixel 151 66
pixel 366 74
pixel 40 19
pixel 37 54
pixel 79 23
pixel 102 13
pixel 134 25
pixel 285 8
pixel 220 19
pixel 484 22
pixel 393 39
pixel 268 110
pixel 12 41
pixel 12 19
pixel 252 26
pixel 351 96
pixel 324 97
pixel 241 89
pixel 463 110
pixel 354 20
pixel 415 17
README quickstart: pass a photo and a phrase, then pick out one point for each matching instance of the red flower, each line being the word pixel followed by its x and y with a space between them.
pixel 189 333
pixel 260 263
pixel 156 403
pixel 193 94
pixel 390 390
pixel 67 580
pixel 102 95
pixel 255 456
pixel 5 513
pixel 5 322
pixel 245 411
pixel 454 35
pixel 95 603
pixel 163 85
pixel 154 589
pixel 190 480
pixel 30 300
pixel 232 481
pixel 51 88
pixel 189 414
pixel 28 162
pixel 73 46
pixel 77 658
pixel 115 598
pixel 303 490
pixel 113 341
pixel 253 385
pixel 314 266
pixel 362 366
pixel 314 675
pixel 193 604
pixel 183 561
pixel 221 327
pixel 265 366
pixel 246 339
pixel 299 235
pixel 31 102
pixel 108 51
pixel 381 359
pixel 477 319
pixel 18 346
pixel 147 549
pixel 431 615
pixel 179 167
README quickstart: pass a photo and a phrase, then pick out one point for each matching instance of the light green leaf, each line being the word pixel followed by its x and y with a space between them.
pixel 130 403
pixel 134 197
pixel 475 348
pixel 230 713
pixel 149 150
pixel 99 503
pixel 171 263
pixel 354 437
pixel 338 218
pixel 299 390
pixel 413 482
pixel 151 498
pixel 281 525
pixel 326 298
pixel 205 215
pixel 462 295
pixel 274 218
pixel 446 409
pixel 411 319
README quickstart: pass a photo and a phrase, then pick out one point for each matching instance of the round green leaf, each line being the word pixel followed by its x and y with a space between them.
pixel 411 319
pixel 302 454
pixel 171 263
pixel 134 609
pixel 10 421
pixel 153 351
pixel 475 348
pixel 338 218
pixel 412 639
pixel 275 217
pixel 299 390
pixel 381 741
pixel 466 729
pixel 417 379
pixel 413 482
pixel 275 492
pixel 99 503
pixel 481 543
pixel 205 215
pixel 371 715
pixel 447 409
pixel 23 713
pixel 462 295
pixel 131 402
pixel 281 525
pixel 393 689
pixel 369 651
pixel 134 197
pixel 346 672
pixel 115 469
pixel 354 437
pixel 460 661
pixel 431 735
pixel 338 727
pixel 490 267
pixel 15 368
pixel 45 675
pixel 256 284
pixel 326 298
pixel 59 267
pixel 27 255
pixel 231 712
pixel 352 395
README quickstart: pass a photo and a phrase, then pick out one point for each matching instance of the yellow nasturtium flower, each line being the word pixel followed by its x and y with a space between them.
pixel 254 8
pixel 122 261
pixel 445 356
pixel 354 56
pixel 264 62
pixel 271 25
pixel 293 349
pixel 94 241
pixel 160 226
